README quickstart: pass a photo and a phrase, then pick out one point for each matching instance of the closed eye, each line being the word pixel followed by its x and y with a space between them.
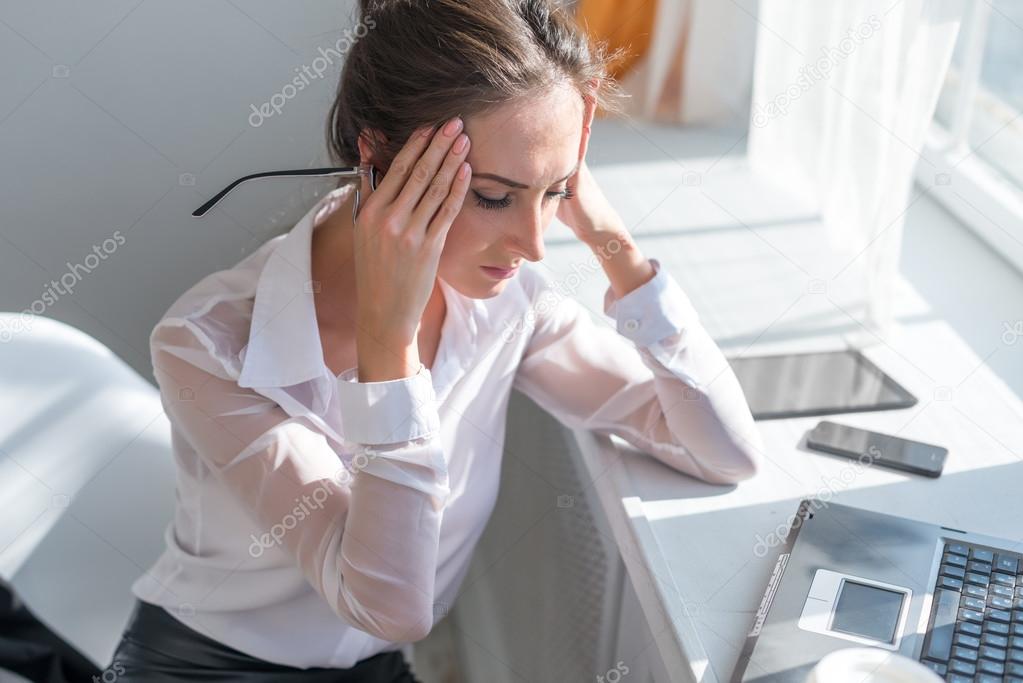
pixel 505 201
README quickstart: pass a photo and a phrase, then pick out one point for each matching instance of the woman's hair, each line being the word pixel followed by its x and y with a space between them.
pixel 422 62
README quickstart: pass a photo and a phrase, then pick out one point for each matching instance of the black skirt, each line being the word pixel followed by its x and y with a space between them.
pixel 157 648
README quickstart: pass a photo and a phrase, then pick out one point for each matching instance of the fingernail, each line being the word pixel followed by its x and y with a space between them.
pixel 426 131
pixel 460 143
pixel 454 125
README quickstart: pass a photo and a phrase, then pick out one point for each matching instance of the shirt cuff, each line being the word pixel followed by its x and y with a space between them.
pixel 388 412
pixel 653 311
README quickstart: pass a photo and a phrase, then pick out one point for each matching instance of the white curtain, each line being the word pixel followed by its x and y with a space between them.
pixel 699 65
pixel 843 93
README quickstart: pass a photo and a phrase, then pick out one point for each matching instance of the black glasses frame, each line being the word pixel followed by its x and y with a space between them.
pixel 345 172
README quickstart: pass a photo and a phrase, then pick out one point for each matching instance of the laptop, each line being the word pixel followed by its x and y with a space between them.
pixel 852 578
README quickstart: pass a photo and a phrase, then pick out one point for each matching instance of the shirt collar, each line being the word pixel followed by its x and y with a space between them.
pixel 284 346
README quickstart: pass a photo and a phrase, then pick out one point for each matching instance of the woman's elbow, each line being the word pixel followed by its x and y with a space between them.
pixel 746 467
pixel 739 462
pixel 407 630
pixel 409 623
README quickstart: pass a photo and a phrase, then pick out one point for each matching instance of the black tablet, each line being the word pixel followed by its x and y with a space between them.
pixel 816 383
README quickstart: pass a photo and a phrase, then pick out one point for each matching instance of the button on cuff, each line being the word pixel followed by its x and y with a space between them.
pixel 653 311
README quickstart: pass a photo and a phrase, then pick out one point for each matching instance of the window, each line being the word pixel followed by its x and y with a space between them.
pixel 975 148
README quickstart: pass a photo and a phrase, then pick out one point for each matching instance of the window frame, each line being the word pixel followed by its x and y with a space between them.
pixel 987 201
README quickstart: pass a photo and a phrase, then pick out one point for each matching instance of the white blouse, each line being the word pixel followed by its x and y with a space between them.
pixel 320 519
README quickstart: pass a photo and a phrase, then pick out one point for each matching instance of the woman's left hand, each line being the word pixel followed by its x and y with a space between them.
pixel 589 214
pixel 598 225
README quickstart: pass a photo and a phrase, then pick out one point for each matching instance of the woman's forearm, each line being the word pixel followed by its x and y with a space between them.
pixel 623 263
pixel 381 359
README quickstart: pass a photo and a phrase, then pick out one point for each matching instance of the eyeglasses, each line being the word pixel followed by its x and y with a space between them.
pixel 347 172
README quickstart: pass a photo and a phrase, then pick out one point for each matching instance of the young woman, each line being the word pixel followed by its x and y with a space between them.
pixel 337 398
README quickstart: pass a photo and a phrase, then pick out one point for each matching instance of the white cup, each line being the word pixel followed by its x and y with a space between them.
pixel 870 665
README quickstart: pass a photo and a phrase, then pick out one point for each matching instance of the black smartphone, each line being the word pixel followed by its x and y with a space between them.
pixel 877 449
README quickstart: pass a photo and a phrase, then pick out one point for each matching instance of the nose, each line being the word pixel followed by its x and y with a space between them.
pixel 529 236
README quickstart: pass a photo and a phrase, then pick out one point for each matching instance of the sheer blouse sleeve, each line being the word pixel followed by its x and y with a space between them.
pixel 370 547
pixel 657 380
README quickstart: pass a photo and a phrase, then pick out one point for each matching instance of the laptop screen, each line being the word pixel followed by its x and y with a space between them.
pixel 867 611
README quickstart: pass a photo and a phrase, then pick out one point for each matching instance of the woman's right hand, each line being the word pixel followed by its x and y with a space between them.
pixel 399 235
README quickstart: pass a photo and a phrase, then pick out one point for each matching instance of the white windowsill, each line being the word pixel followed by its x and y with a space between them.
pixel 985 201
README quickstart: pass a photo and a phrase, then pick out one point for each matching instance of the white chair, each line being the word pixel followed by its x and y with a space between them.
pixel 86 479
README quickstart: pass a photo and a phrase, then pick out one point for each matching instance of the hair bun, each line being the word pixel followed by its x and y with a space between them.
pixel 421 62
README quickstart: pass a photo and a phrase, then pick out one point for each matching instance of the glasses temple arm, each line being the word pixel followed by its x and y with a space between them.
pixel 346 171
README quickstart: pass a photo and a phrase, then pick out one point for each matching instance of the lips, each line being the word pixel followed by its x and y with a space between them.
pixel 499 273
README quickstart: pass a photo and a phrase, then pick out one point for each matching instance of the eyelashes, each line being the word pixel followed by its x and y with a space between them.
pixel 491 204
pixel 504 202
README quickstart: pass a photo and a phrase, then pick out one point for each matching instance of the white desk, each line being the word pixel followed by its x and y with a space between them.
pixel 752 261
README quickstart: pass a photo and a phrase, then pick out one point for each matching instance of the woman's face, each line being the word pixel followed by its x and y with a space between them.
pixel 521 156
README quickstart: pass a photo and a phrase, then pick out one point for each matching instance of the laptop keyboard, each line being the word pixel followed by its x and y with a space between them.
pixel 976 625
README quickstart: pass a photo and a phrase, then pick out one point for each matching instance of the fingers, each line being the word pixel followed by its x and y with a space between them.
pixel 442 182
pixel 423 172
pixel 588 113
pixel 451 205
pixel 394 180
pixel 423 178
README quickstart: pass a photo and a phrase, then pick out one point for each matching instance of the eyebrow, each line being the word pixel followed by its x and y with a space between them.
pixel 515 183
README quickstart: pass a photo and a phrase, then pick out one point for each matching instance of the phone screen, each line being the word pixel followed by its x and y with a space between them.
pixel 876 448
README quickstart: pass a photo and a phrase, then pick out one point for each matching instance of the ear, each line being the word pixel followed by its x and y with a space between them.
pixel 370 140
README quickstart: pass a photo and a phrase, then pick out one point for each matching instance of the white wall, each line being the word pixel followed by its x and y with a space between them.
pixel 119 117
